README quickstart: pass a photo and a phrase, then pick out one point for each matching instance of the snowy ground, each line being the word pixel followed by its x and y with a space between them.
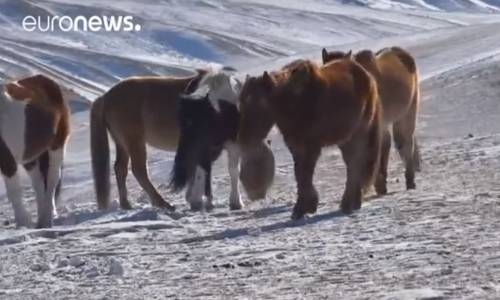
pixel 438 242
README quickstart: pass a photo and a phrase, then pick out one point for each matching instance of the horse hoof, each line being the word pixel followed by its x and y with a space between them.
pixel 381 190
pixel 235 206
pixel 297 215
pixel 298 212
pixel 357 205
pixel 312 209
pixel 41 225
pixel 164 204
pixel 196 205
pixel 125 206
pixel 346 208
pixel 411 186
pixel 24 221
pixel 209 207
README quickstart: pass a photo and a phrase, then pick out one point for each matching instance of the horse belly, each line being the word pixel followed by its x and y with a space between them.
pixel 164 140
pixel 13 128
pixel 396 97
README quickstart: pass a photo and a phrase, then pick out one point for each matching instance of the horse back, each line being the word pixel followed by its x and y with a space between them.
pixel 397 60
pixel 349 78
pixel 145 108
pixel 348 99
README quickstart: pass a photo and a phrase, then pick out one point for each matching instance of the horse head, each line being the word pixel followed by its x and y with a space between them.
pixel 334 55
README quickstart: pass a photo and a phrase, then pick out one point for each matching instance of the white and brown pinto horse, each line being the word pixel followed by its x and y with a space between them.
pixel 34 127
pixel 203 136
pixel 209 122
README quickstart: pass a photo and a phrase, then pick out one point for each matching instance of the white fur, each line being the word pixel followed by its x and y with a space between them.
pixel 45 196
pixel 15 195
pixel 12 130
pixel 13 125
pixel 219 86
pixel 233 165
pixel 56 159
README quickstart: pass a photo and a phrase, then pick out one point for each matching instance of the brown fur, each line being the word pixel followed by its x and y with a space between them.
pixel 47 114
pixel 317 106
pixel 137 112
pixel 397 79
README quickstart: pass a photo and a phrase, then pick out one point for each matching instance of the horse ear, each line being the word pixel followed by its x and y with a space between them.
pixel 193 84
pixel 349 54
pixel 267 78
pixel 324 55
pixel 268 81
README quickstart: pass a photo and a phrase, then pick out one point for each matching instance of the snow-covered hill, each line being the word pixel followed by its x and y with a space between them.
pixel 438 242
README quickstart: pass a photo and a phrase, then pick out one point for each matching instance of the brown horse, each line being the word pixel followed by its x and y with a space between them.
pixel 34 127
pixel 137 111
pixel 313 107
pixel 396 74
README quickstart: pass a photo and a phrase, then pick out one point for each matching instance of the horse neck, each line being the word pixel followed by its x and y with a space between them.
pixel 371 66
pixel 226 94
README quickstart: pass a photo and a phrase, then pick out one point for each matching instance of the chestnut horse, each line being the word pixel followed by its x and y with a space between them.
pixel 396 74
pixel 313 107
pixel 34 127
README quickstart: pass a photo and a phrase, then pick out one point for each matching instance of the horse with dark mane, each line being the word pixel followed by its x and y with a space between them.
pixel 34 127
pixel 209 121
pixel 396 74
pixel 314 107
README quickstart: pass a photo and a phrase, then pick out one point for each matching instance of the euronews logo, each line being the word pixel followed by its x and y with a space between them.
pixel 80 23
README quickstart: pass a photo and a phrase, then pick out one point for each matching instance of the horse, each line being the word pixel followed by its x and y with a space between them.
pixel 396 74
pixel 137 111
pixel 209 120
pixel 34 131
pixel 313 107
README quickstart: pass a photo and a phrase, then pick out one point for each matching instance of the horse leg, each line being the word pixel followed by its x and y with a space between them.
pixel 381 181
pixel 37 171
pixel 121 172
pixel 305 158
pixel 10 174
pixel 352 153
pixel 208 190
pixel 416 156
pixel 404 140
pixel 50 164
pixel 137 153
pixel 15 195
pixel 233 166
pixel 196 188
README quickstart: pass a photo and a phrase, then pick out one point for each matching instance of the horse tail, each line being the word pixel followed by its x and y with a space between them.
pixel 99 145
pixel 57 195
pixel 417 161
pixel 180 171
pixel 374 138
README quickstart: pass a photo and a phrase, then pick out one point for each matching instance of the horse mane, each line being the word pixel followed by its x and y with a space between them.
pixel 303 76
pixel 306 68
pixel 283 74
pixel 49 87
pixel 368 60
pixel 293 64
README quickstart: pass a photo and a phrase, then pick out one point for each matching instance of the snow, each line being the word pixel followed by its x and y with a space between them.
pixel 437 242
